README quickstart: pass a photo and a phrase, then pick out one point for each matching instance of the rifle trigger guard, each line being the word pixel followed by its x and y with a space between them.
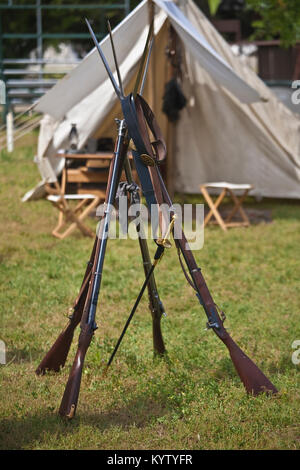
pixel 212 324
pixel 213 318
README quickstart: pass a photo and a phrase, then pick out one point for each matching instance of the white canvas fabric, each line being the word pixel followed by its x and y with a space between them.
pixel 78 84
pixel 225 133
pixel 226 140
pixel 205 55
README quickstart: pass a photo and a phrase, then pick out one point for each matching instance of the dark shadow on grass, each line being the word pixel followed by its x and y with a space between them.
pixel 139 412
pixel 285 364
pixel 263 211
pixel 25 355
pixel 27 432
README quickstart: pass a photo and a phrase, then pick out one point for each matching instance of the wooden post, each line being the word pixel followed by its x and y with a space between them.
pixel 10 131
pixel 171 126
pixel 151 70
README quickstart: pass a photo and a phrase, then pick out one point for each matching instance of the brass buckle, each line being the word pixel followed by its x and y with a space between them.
pixel 147 160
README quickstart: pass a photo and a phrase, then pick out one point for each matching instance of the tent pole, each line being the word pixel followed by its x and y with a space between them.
pixel 171 126
pixel 151 70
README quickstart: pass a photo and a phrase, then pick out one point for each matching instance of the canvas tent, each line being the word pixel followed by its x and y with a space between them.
pixel 232 129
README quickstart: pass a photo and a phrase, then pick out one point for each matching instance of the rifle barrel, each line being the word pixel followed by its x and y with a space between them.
pixel 71 394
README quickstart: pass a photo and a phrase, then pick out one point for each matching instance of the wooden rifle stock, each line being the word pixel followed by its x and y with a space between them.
pixel 254 380
pixel 56 357
pixel 139 117
pixel 155 304
pixel 157 310
pixel 70 397
pixel 158 342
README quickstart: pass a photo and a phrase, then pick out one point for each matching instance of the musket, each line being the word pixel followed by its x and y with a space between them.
pixel 56 357
pixel 88 325
pixel 155 304
pixel 137 113
pixel 252 377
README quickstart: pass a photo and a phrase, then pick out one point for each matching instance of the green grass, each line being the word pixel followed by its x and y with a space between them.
pixel 192 400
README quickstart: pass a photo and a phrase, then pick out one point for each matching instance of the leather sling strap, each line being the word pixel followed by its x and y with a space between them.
pixel 138 124
pixel 138 117
pixel 165 195
pixel 130 116
pixel 146 118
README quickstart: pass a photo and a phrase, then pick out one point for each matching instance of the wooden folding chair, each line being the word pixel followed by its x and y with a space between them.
pixel 71 216
pixel 226 189
pixel 90 181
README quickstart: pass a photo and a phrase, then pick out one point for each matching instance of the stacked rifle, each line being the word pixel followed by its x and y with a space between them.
pixel 136 126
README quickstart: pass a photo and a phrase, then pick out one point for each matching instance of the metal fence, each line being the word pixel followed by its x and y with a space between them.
pixel 27 79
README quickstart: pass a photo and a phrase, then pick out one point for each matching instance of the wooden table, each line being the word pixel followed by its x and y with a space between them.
pixel 86 156
pixel 95 170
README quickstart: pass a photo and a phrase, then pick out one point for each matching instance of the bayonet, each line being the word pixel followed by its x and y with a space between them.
pixel 145 58
pixel 146 67
pixel 115 59
pixel 139 75
pixel 103 58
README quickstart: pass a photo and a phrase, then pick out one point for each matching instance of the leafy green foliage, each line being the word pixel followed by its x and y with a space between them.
pixel 278 19
pixel 213 6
